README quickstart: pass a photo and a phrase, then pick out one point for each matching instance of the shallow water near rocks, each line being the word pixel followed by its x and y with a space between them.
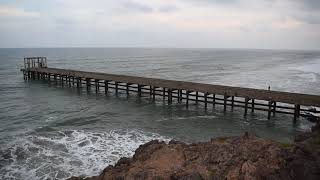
pixel 52 132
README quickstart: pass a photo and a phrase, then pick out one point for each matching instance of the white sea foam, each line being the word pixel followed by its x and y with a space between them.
pixel 189 117
pixel 68 153
pixel 309 76
pixel 313 67
pixel 309 72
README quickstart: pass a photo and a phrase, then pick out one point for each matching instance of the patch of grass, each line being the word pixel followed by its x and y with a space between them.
pixel 159 178
pixel 316 140
pixel 211 173
pixel 221 139
pixel 285 145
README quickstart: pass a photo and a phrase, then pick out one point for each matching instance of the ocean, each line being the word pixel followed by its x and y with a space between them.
pixel 54 132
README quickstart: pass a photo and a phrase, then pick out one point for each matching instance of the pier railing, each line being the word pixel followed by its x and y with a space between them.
pixel 272 102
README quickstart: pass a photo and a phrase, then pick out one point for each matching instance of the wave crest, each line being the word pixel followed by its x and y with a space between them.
pixel 69 153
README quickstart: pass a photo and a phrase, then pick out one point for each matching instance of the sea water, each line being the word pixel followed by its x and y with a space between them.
pixel 52 132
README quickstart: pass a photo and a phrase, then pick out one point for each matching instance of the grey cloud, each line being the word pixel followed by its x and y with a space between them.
pixel 218 1
pixel 168 9
pixel 221 2
pixel 311 19
pixel 64 21
pixel 311 4
pixel 308 12
pixel 307 4
pixel 134 6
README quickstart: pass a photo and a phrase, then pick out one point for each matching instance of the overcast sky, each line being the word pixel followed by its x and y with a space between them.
pixel 270 24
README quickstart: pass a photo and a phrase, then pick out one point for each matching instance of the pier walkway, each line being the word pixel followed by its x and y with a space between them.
pixel 248 98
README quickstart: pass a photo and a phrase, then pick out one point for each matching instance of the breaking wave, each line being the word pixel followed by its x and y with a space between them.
pixel 312 67
pixel 68 153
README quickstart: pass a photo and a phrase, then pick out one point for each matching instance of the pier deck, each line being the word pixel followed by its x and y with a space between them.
pixel 248 98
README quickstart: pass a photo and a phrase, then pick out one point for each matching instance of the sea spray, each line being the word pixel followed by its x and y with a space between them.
pixel 69 153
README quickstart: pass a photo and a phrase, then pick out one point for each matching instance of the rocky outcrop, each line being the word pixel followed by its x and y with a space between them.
pixel 246 157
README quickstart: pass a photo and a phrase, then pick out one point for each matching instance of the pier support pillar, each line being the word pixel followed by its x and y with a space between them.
pixel 197 97
pixel 232 102
pixel 139 90
pixel 298 110
pixel 164 93
pixel 61 78
pixel 205 100
pixel 97 84
pixel 269 109
pixel 150 91
pixel 78 82
pixel 54 78
pixel 214 100
pixel 225 102
pixel 178 95
pixel 69 78
pixel 187 98
pixel 106 86
pixel 296 113
pixel 88 83
pixel 169 96
pixel 116 87
pixel 154 94
pixel 246 106
pixel 127 89
pixel 252 105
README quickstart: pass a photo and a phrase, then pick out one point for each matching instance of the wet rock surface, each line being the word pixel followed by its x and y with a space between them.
pixel 246 157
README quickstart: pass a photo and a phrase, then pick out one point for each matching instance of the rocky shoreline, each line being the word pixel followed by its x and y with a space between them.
pixel 244 157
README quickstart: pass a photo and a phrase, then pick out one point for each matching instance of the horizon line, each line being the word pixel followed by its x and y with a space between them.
pixel 155 47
